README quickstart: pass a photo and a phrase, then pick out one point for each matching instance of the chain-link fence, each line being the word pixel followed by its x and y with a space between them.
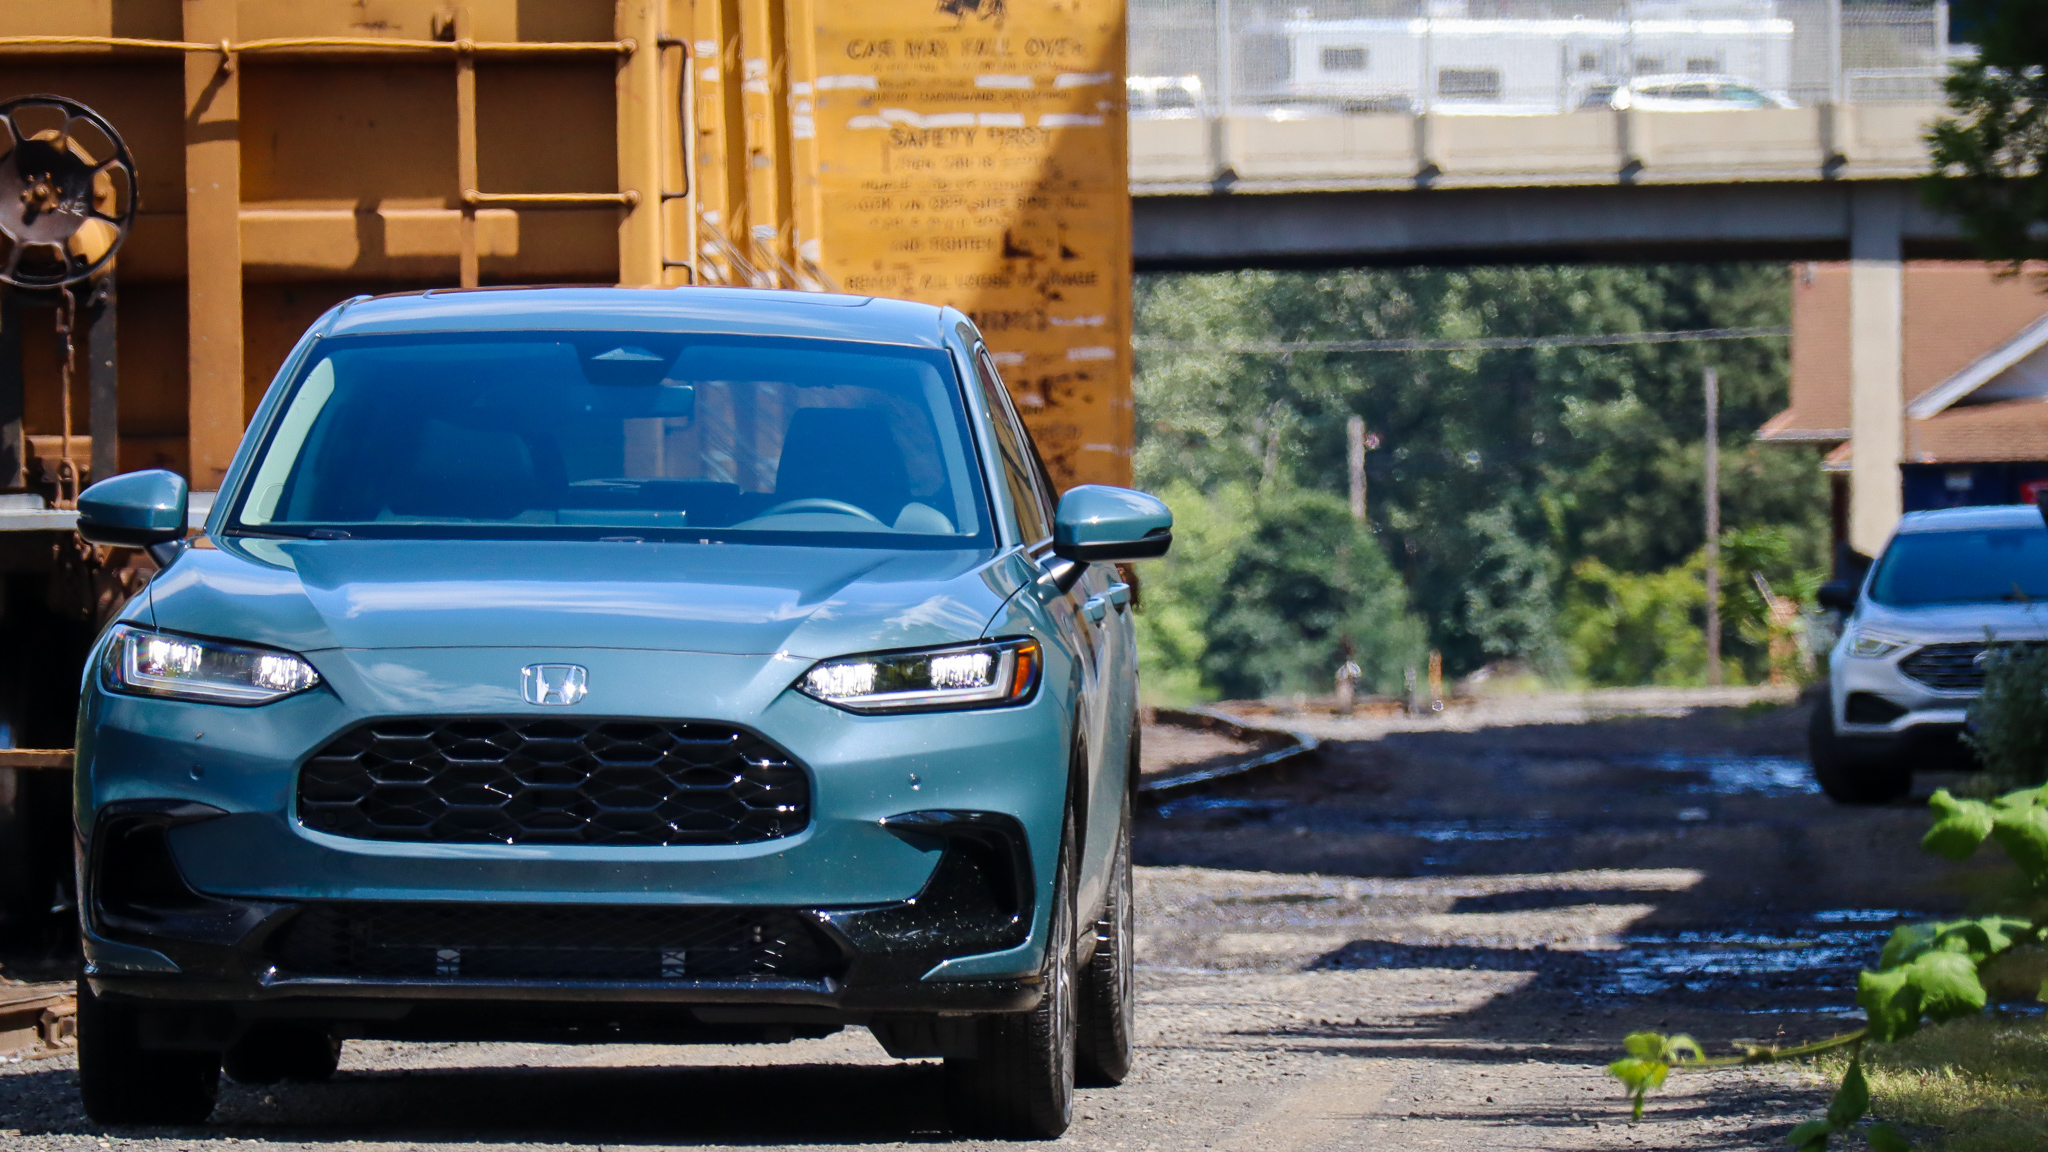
pixel 1191 58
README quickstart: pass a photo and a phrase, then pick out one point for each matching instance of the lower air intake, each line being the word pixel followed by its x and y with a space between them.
pixel 551 942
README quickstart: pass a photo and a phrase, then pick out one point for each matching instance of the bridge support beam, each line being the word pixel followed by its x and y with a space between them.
pixel 1876 363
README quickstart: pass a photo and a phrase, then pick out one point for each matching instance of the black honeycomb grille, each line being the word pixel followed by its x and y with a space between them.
pixel 553 781
pixel 551 942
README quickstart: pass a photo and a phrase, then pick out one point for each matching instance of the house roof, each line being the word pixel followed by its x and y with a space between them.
pixel 2007 372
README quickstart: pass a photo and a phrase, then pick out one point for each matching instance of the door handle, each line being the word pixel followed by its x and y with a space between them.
pixel 1095 608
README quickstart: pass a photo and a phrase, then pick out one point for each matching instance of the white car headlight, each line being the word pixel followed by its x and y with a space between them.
pixel 957 676
pixel 1871 645
pixel 147 663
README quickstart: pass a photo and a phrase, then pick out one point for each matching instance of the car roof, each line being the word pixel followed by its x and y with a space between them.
pixel 726 311
pixel 1692 78
pixel 1976 516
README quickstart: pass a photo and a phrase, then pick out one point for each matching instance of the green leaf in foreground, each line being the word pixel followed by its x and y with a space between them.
pixel 1852 1099
pixel 2023 833
pixel 1649 1060
pixel 1939 985
pixel 1959 825
pixel 1811 1136
pixel 1883 1137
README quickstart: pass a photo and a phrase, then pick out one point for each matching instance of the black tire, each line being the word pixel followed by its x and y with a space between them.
pixel 269 1053
pixel 1020 1083
pixel 121 1082
pixel 1847 775
pixel 1108 992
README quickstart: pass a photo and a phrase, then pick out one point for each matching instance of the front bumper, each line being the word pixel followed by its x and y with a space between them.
pixel 151 937
pixel 1875 699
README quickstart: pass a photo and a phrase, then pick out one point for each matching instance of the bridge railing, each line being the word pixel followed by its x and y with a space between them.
pixel 1503 91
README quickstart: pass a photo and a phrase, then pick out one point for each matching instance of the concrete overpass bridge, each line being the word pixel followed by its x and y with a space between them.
pixel 1400 132
pixel 1831 182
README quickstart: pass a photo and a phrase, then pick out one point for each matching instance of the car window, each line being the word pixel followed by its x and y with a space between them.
pixel 1971 567
pixel 594 434
pixel 1175 97
pixel 1034 517
pixel 1692 92
pixel 1743 94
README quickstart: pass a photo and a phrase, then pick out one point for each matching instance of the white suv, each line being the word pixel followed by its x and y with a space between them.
pixel 1911 657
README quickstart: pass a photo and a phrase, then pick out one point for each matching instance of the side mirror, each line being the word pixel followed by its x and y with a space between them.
pixel 1096 522
pixel 134 510
pixel 1838 595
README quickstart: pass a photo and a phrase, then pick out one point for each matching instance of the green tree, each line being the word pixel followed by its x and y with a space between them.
pixel 1499 471
pixel 1989 156
pixel 1266 589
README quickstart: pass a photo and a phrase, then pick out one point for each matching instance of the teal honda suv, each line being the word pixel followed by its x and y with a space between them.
pixel 584 664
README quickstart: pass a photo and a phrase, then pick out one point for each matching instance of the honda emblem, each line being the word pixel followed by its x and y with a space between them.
pixel 554 683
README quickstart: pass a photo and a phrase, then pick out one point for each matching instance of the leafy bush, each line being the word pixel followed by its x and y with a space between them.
pixel 1649 628
pixel 2009 722
pixel 1263 589
pixel 1624 628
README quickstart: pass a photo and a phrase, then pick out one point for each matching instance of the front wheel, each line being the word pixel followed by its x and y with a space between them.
pixel 1109 992
pixel 1849 777
pixel 121 1082
pixel 1020 1083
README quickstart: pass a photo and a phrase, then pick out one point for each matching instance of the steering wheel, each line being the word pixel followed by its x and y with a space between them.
pixel 820 504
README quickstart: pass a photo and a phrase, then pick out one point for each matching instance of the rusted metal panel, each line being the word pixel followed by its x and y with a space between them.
pixel 973 153
pixel 213 244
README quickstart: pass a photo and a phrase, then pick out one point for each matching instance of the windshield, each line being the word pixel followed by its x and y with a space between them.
pixel 607 435
pixel 1976 567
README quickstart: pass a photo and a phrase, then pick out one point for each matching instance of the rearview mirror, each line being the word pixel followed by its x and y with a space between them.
pixel 134 510
pixel 1839 595
pixel 1096 522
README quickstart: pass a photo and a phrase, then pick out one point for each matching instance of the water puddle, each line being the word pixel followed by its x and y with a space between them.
pixel 1742 775
pixel 1794 964
pixel 1817 955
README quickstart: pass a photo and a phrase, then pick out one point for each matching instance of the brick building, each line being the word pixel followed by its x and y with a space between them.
pixel 1974 383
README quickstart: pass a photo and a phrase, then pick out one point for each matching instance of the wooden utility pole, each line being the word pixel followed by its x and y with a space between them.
pixel 1712 381
pixel 1354 438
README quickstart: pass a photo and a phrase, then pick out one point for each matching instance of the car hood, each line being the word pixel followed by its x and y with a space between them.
pixel 307 595
pixel 1938 623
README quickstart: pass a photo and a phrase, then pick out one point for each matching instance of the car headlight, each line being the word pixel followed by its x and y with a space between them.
pixel 1871 645
pixel 958 676
pixel 148 663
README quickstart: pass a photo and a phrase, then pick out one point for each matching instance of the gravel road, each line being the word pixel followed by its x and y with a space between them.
pixel 1420 939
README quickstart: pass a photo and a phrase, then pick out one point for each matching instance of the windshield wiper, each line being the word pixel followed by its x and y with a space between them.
pixel 281 534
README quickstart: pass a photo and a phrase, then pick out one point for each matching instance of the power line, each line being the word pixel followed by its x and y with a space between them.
pixel 1472 344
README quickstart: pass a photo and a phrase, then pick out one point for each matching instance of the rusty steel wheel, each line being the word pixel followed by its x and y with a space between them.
pixel 67 192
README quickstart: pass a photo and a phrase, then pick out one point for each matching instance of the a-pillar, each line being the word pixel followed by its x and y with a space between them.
pixel 213 243
pixel 1876 364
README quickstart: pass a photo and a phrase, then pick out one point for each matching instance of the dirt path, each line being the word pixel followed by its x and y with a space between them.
pixel 1433 939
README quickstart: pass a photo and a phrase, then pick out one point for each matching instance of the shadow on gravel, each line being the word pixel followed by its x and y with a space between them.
pixel 780 1105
